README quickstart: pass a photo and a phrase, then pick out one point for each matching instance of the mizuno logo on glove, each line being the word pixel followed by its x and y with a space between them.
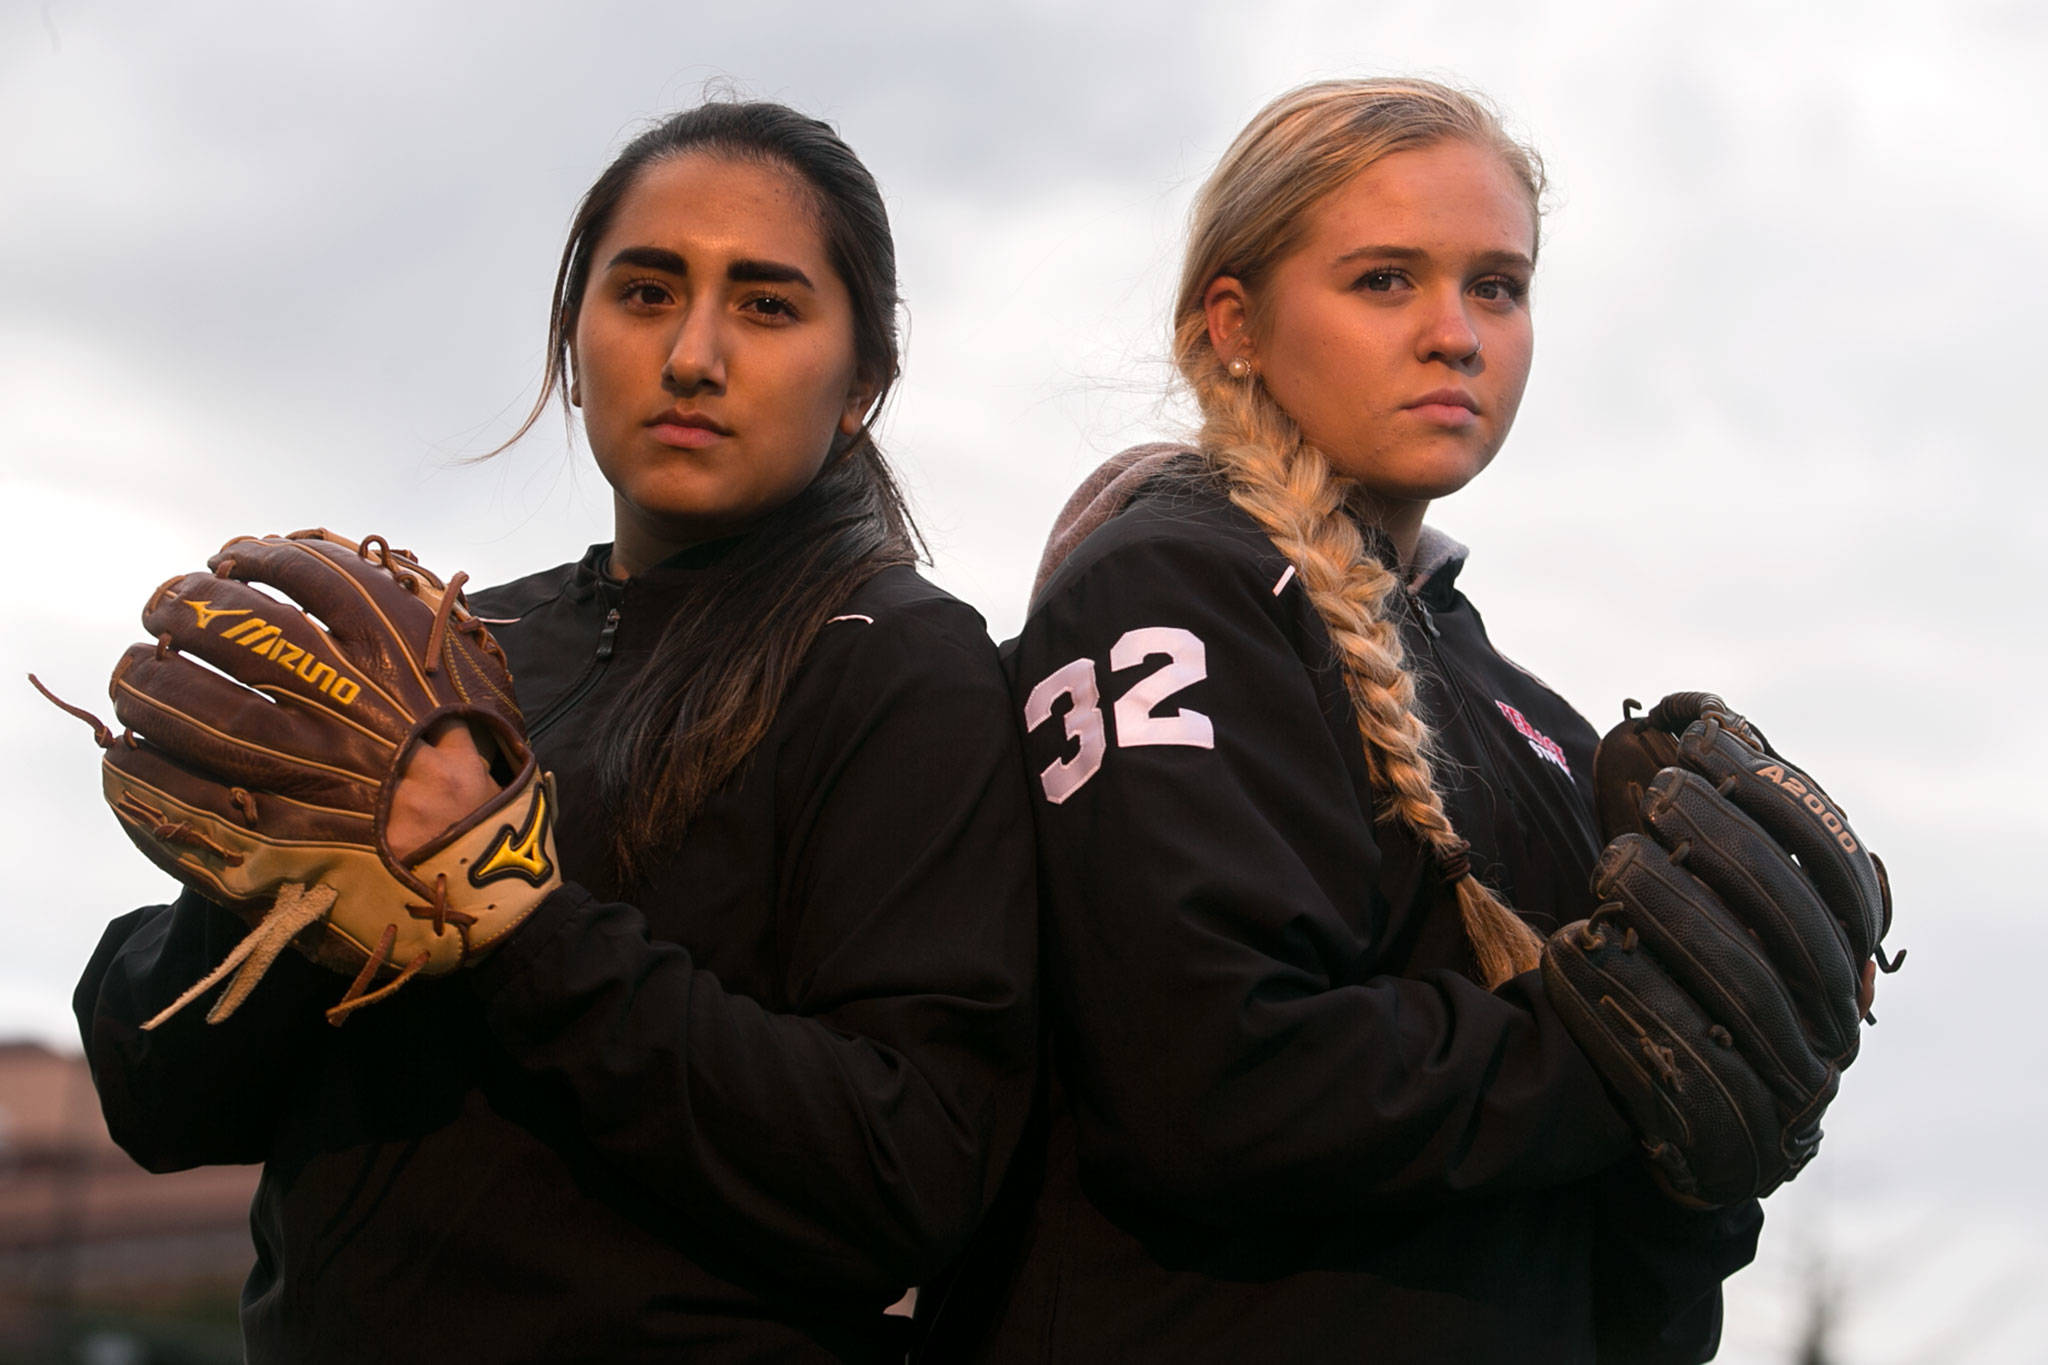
pixel 260 636
pixel 524 854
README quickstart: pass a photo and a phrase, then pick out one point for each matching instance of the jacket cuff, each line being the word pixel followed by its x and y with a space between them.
pixel 512 959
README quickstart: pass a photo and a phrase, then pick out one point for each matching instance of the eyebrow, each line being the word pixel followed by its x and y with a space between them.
pixel 746 270
pixel 1416 253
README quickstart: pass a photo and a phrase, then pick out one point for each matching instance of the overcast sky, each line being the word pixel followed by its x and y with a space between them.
pixel 268 266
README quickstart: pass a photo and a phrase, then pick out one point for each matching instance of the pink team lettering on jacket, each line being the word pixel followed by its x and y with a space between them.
pixel 1543 744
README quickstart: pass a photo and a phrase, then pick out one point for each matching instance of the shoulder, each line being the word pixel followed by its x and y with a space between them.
pixel 901 596
pixel 1179 539
pixel 901 607
pixel 898 626
pixel 504 603
pixel 1179 596
pixel 1175 638
pixel 1179 516
pixel 901 667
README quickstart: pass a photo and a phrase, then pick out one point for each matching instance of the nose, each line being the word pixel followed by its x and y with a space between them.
pixel 1447 333
pixel 696 354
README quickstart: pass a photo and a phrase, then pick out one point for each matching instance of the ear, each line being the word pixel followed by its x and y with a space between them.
pixel 859 399
pixel 575 379
pixel 1229 314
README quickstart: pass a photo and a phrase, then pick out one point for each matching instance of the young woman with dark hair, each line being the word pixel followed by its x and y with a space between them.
pixel 754 1069
pixel 1302 828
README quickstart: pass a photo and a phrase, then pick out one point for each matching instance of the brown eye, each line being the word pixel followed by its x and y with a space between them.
pixel 645 294
pixel 770 307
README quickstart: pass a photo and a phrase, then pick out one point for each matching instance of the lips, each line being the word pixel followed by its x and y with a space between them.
pixel 1446 409
pixel 1447 398
pixel 681 417
pixel 687 430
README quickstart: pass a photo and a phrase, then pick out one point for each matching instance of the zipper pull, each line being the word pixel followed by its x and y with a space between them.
pixel 1424 615
pixel 604 637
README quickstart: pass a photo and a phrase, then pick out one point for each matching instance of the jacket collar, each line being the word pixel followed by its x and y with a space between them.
pixel 593 574
pixel 1438 562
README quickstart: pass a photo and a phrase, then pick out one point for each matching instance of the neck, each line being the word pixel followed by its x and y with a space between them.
pixel 1399 519
pixel 639 542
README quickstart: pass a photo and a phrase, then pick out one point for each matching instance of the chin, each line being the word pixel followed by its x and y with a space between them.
pixel 1430 479
pixel 1417 486
pixel 687 494
pixel 1432 492
pixel 1416 475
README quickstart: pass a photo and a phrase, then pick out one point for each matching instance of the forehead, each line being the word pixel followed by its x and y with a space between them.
pixel 704 203
pixel 1446 196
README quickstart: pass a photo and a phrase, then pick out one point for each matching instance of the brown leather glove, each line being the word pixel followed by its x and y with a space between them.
pixel 269 789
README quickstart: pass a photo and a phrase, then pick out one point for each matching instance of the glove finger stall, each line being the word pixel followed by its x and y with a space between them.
pixel 242 736
pixel 1628 758
pixel 369 603
pixel 1754 877
pixel 271 646
pixel 1804 820
pixel 1707 1121
pixel 1710 956
pixel 359 600
pixel 143 768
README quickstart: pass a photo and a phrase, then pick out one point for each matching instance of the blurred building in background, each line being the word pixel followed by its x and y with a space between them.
pixel 101 1262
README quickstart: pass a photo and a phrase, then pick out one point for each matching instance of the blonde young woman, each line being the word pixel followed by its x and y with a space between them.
pixel 1307 1099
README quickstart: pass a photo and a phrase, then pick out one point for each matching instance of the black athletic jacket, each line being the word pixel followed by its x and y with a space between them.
pixel 731 1120
pixel 1285 1124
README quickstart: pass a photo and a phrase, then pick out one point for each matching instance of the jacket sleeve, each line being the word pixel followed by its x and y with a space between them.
pixel 190 1093
pixel 853 1136
pixel 1658 1268
pixel 1236 1050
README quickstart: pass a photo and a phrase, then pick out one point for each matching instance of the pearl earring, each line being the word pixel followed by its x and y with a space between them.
pixel 1239 367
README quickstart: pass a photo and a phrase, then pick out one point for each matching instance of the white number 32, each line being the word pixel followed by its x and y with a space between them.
pixel 1137 720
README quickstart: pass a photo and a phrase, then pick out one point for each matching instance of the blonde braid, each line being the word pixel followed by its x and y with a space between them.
pixel 1288 487
pixel 1295 152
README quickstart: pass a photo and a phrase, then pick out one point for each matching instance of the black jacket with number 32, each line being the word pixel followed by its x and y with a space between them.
pixel 1285 1122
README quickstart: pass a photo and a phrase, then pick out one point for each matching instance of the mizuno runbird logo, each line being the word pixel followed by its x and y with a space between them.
pixel 260 637
pixel 206 611
pixel 523 855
